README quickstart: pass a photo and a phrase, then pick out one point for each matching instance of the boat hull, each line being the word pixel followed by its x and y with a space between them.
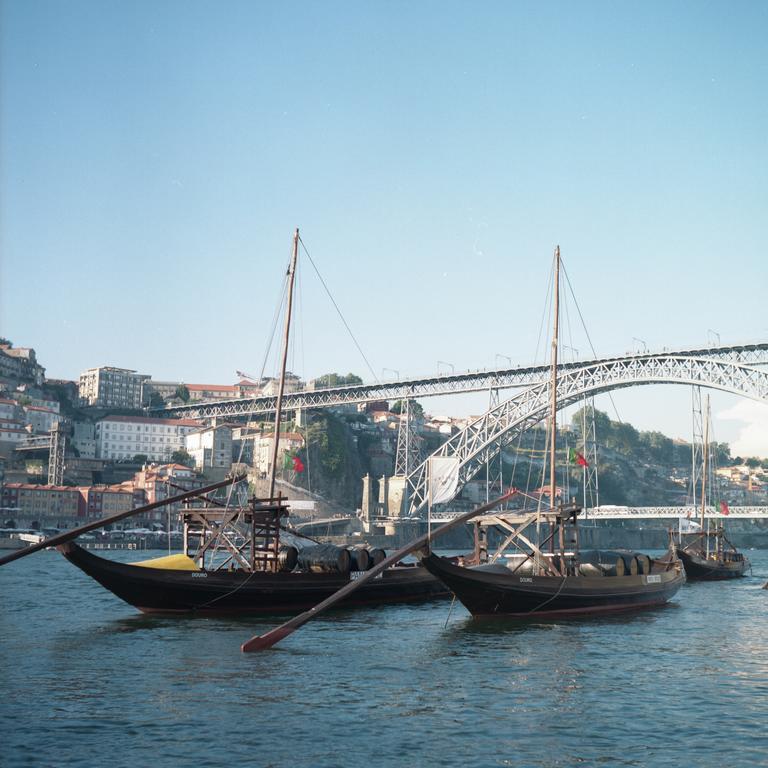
pixel 157 590
pixel 500 592
pixel 703 569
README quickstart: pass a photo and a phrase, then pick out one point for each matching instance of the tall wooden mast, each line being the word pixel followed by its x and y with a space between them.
pixel 553 384
pixel 704 467
pixel 281 388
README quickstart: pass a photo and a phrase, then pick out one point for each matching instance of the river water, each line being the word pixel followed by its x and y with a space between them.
pixel 86 681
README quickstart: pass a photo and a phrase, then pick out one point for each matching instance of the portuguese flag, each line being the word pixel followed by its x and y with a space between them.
pixel 578 459
pixel 292 461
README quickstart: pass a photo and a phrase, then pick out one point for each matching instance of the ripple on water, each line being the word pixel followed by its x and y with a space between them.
pixel 88 680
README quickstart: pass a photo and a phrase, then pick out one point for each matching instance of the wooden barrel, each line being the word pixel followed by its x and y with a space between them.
pixel 324 558
pixel 644 564
pixel 588 569
pixel 632 567
pixel 359 559
pixel 620 568
pixel 287 558
pixel 377 555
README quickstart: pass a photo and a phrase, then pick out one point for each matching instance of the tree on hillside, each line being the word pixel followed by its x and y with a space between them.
pixel 182 457
pixel 328 380
pixel 326 438
pixel 416 408
pixel 156 400
pixel 182 393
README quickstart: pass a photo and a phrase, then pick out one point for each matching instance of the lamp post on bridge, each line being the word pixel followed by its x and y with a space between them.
pixel 442 362
pixel 573 349
pixel 710 335
pixel 506 357
pixel 640 341
pixel 391 370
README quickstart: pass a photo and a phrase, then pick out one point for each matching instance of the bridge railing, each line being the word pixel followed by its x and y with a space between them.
pixel 648 513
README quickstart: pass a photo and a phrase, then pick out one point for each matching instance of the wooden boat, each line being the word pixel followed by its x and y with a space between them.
pixel 562 584
pixel 706 553
pixel 711 557
pixel 158 588
pixel 235 559
pixel 548 576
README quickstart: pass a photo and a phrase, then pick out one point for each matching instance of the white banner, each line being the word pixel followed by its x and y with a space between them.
pixel 689 526
pixel 443 478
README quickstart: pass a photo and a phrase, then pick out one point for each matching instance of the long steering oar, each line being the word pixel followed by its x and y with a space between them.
pixel 262 642
pixel 61 538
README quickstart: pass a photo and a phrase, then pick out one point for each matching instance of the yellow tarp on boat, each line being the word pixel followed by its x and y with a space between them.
pixel 170 563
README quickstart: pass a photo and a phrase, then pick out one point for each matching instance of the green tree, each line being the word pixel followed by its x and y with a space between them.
pixel 752 462
pixel 416 408
pixel 182 457
pixel 141 458
pixel 328 380
pixel 326 435
pixel 182 393
pixel 156 400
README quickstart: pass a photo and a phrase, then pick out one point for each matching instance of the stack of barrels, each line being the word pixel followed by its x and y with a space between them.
pixel 327 558
pixel 617 564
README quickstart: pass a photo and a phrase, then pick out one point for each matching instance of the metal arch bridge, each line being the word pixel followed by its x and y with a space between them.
pixel 479 442
pixel 609 512
pixel 470 381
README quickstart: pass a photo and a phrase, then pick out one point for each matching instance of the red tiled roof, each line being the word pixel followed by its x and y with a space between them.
pixel 219 387
pixel 32 486
pixel 149 420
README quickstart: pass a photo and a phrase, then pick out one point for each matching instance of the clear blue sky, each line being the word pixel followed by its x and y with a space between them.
pixel 156 156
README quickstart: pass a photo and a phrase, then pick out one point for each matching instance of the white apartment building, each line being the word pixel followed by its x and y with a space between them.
pixel 84 439
pixel 108 387
pixel 9 409
pixel 123 437
pixel 41 419
pixel 12 431
pixel 211 447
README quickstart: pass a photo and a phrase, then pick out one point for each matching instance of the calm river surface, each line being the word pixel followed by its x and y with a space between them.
pixel 86 681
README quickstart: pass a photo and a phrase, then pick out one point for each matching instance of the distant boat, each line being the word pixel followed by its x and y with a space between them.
pixel 551 577
pixel 704 549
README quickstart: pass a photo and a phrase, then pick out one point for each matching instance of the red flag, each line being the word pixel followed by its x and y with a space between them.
pixel 298 464
pixel 578 459
pixel 724 508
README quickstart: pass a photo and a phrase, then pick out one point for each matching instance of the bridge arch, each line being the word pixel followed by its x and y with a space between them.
pixel 480 441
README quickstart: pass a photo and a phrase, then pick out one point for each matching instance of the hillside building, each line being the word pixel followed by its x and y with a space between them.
pixel 109 387
pixel 123 437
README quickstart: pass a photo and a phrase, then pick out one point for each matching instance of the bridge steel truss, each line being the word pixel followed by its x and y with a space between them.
pixel 447 384
pixel 665 513
pixel 479 442
pixel 650 513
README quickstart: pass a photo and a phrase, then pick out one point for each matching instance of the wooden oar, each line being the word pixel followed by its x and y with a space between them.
pixel 262 642
pixel 61 538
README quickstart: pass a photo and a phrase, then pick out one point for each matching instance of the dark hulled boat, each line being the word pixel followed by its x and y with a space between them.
pixel 162 587
pixel 551 577
pixel 705 550
pixel 541 585
pixel 235 559
pixel 711 556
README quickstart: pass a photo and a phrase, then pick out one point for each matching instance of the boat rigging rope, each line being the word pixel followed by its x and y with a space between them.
pixel 333 301
pixel 550 599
